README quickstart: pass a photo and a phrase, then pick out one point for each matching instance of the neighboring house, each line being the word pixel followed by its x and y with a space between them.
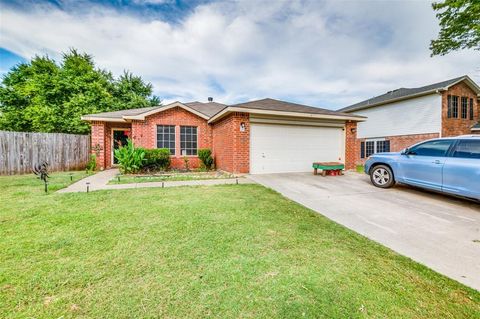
pixel 264 136
pixel 405 116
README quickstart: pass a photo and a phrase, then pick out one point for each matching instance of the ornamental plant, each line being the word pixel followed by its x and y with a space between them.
pixel 130 159
pixel 157 159
pixel 205 155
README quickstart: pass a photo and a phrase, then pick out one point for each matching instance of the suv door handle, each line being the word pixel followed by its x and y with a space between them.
pixel 436 162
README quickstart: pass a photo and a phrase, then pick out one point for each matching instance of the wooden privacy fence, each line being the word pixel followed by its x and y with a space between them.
pixel 20 151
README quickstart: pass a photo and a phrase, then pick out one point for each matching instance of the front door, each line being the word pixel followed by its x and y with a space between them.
pixel 120 137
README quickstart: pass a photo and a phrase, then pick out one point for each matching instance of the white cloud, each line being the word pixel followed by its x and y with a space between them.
pixel 327 54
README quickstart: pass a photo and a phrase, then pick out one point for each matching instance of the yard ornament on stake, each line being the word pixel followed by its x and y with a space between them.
pixel 41 170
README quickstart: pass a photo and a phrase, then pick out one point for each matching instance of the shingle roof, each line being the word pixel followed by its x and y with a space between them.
pixel 403 93
pixel 209 109
pixel 277 105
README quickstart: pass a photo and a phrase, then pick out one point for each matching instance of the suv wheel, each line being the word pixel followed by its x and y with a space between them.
pixel 382 176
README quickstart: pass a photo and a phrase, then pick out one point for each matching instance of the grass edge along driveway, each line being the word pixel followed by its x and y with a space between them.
pixel 192 252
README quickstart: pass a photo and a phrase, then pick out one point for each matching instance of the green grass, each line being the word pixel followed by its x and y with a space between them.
pixel 128 179
pixel 225 251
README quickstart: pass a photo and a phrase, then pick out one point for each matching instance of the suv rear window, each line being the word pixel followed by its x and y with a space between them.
pixel 467 149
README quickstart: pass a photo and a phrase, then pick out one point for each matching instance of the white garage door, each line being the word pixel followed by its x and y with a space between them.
pixel 286 148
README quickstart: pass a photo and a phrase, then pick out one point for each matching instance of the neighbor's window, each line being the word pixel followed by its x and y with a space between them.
pixel 471 109
pixel 464 107
pixel 188 140
pixel 166 137
pixel 374 146
pixel 467 149
pixel 455 107
pixel 382 146
pixel 432 148
pixel 369 148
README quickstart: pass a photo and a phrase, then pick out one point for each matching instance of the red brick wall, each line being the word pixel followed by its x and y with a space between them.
pixel 231 147
pixel 351 147
pixel 98 142
pixel 144 133
pixel 397 143
pixel 459 126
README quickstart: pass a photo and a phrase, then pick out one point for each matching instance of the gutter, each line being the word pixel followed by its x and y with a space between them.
pixel 231 109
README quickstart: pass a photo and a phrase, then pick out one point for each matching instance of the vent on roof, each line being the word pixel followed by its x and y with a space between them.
pixel 210 99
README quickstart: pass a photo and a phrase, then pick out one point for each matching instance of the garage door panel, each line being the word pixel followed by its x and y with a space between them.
pixel 287 148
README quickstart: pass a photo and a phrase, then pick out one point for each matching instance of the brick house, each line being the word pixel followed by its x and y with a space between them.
pixel 264 136
pixel 402 117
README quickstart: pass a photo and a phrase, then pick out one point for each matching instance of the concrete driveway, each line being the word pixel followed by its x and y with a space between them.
pixel 438 231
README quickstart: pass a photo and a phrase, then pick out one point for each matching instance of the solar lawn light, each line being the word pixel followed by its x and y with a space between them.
pixel 88 186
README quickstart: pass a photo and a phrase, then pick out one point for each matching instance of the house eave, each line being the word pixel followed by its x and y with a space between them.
pixel 229 110
pixel 102 119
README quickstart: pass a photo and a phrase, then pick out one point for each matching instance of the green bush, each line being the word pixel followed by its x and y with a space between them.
pixel 130 159
pixel 92 163
pixel 205 155
pixel 157 159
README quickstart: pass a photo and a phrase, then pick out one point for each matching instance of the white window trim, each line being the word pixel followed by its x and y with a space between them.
pixel 175 137
pixel 180 140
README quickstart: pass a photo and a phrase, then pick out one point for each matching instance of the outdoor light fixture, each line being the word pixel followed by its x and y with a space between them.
pixel 353 130
pixel 242 127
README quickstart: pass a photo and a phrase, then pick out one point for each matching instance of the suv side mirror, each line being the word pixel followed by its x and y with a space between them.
pixel 404 151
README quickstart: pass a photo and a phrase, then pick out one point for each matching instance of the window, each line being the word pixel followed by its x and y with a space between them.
pixel 449 106
pixel 471 109
pixel 166 137
pixel 464 107
pixel 371 147
pixel 455 107
pixel 188 140
pixel 432 148
pixel 468 149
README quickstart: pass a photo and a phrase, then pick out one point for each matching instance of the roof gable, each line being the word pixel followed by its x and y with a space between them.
pixel 408 93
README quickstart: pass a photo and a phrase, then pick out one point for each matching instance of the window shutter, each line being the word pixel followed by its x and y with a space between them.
pixel 471 109
pixel 449 106
pixel 362 150
pixel 387 146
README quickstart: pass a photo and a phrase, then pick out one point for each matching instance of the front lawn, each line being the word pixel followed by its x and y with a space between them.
pixel 225 251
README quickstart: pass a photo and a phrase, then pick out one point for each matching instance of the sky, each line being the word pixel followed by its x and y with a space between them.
pixel 327 54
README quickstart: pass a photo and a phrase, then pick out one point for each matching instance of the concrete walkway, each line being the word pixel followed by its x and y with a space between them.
pixel 100 181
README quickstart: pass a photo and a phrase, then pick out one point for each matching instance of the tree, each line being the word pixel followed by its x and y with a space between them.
pixel 460 26
pixel 42 96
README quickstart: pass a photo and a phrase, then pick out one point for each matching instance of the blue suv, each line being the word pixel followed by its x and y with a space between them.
pixel 449 165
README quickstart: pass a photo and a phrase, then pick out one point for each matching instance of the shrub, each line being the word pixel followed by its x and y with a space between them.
pixel 157 159
pixel 205 155
pixel 130 159
pixel 92 163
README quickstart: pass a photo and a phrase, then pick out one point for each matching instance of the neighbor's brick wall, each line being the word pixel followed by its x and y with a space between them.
pixel 459 126
pixel 350 145
pixel 144 133
pixel 231 148
pixel 397 143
